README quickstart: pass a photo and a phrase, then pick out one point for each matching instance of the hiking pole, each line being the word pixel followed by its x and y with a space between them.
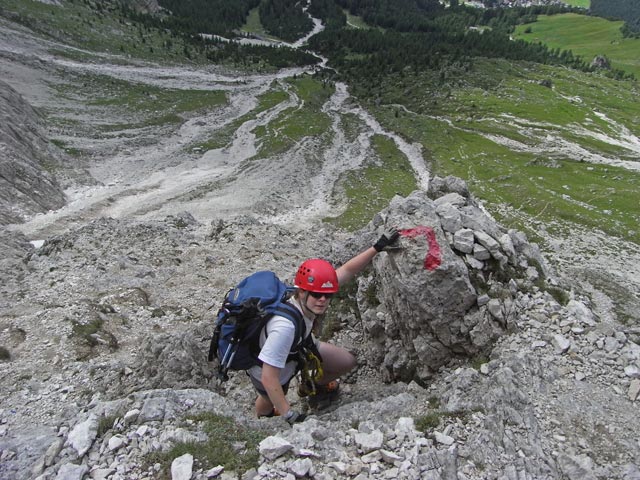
pixel 225 363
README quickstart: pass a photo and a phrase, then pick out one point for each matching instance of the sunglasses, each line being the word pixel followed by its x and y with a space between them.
pixel 321 294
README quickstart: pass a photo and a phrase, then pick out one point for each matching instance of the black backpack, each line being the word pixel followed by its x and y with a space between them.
pixel 245 311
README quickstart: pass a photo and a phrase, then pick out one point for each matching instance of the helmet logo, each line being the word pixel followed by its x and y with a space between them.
pixel 311 279
pixel 327 285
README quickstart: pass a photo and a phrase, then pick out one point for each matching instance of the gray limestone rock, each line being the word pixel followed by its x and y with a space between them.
pixel 561 343
pixel 487 242
pixel 576 467
pixel 273 447
pixel 82 436
pixel 428 289
pixel 632 371
pixel 407 280
pixel 481 253
pixel 71 471
pixel 463 240
pixel 28 446
pixel 634 390
pixel 301 467
pixel 449 217
pixel 453 199
pixel 182 467
pixel 368 442
pixel 26 187
pixel 442 186
pixel 579 311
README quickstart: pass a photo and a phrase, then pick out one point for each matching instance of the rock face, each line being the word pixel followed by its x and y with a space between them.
pixel 449 289
pixel 26 187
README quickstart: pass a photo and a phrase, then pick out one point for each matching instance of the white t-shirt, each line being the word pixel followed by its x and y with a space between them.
pixel 276 340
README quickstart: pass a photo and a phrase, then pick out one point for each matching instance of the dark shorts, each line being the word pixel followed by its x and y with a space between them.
pixel 260 388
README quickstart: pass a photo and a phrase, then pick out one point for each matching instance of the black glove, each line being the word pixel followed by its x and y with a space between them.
pixel 387 238
pixel 294 417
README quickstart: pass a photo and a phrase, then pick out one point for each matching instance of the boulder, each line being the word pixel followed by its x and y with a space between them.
pixel 425 287
pixel 601 62
pixel 451 253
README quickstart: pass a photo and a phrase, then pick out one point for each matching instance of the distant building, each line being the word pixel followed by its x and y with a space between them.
pixel 519 3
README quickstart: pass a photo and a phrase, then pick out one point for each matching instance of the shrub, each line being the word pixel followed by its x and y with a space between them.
pixel 89 336
pixel 428 421
pixel 230 444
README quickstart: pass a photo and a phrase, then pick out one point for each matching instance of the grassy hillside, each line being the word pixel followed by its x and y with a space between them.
pixel 102 31
pixel 370 190
pixel 253 25
pixel 585 36
pixel 354 21
pixel 296 122
pixel 523 136
pixel 578 3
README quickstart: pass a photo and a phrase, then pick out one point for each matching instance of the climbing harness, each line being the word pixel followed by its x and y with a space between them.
pixel 311 372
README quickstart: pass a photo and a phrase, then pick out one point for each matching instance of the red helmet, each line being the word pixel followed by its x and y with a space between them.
pixel 317 275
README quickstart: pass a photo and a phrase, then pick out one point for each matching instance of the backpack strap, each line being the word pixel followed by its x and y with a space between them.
pixel 304 344
pixel 290 312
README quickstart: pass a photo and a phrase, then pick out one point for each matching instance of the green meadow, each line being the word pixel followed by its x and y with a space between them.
pixel 144 105
pixel 369 190
pixel 585 36
pixel 355 21
pixel 578 3
pixel 498 126
pixel 223 136
pixel 502 138
pixel 253 24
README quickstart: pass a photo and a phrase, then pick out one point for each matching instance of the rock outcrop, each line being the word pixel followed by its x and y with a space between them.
pixel 601 62
pixel 449 289
pixel 26 186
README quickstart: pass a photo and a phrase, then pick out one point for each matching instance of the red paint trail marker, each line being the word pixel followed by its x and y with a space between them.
pixel 433 258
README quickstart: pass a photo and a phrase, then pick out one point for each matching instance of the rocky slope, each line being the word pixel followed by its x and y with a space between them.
pixel 477 358
pixel 107 328
pixel 26 185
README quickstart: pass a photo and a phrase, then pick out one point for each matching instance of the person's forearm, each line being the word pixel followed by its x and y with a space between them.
pixel 271 383
pixel 354 266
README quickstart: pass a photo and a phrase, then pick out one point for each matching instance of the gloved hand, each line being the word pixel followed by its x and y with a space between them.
pixel 387 238
pixel 293 416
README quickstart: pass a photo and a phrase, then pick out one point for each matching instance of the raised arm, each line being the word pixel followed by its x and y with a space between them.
pixel 354 266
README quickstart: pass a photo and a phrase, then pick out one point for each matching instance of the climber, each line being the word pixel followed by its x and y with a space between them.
pixel 316 281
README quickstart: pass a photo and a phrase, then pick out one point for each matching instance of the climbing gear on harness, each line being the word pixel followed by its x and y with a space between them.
pixel 310 372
